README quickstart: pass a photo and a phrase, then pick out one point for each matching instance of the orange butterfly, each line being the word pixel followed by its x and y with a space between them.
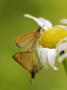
pixel 28 58
pixel 28 41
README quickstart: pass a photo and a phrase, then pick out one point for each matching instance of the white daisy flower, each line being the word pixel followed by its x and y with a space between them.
pixel 51 43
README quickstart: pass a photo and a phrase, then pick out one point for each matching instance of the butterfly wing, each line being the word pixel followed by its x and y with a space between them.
pixel 29 61
pixel 27 41
pixel 24 59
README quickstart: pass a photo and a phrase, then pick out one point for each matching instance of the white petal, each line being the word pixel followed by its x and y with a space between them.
pixel 31 17
pixel 43 23
pixel 63 21
pixel 61 26
pixel 47 23
pixel 43 54
pixel 62 45
pixel 52 58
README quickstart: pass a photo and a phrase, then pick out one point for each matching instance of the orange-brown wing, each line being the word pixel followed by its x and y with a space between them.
pixel 24 59
pixel 29 60
pixel 27 41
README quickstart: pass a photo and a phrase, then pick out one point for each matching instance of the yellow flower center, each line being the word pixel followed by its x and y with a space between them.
pixel 50 37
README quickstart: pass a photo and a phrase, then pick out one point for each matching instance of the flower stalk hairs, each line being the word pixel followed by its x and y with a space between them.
pixel 52 44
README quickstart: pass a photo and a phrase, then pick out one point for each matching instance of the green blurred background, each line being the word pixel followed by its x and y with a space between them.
pixel 13 24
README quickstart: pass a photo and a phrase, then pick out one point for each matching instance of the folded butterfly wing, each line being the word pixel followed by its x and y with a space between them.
pixel 29 61
pixel 27 41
